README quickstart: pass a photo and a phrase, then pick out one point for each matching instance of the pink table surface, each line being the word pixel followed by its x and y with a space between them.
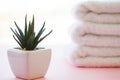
pixel 60 69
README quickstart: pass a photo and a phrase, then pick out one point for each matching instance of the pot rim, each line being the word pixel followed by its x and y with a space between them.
pixel 21 50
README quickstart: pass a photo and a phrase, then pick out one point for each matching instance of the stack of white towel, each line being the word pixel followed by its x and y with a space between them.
pixel 98 35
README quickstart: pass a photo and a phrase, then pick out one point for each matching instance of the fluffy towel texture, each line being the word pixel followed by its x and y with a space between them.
pixel 96 28
pixel 98 37
pixel 100 7
pixel 95 61
pixel 85 51
pixel 77 59
pixel 98 18
pixel 97 41
pixel 99 12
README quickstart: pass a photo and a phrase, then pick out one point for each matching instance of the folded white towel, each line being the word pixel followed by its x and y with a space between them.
pixel 85 51
pixel 96 28
pixel 98 41
pixel 99 12
pixel 90 61
pixel 74 58
pixel 100 7
pixel 98 18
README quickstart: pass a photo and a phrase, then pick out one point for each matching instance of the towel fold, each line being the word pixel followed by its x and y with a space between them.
pixel 77 59
pixel 97 41
pixel 98 18
pixel 96 28
pixel 102 12
pixel 85 51
pixel 100 7
pixel 95 61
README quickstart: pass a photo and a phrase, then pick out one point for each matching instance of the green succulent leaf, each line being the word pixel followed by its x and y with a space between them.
pixel 18 36
pixel 20 31
pixel 30 42
pixel 25 31
pixel 18 42
pixel 27 39
pixel 45 36
pixel 40 33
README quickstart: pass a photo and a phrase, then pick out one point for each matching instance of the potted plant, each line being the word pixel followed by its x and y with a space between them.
pixel 28 61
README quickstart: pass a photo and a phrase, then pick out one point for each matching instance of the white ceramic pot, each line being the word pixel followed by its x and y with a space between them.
pixel 29 64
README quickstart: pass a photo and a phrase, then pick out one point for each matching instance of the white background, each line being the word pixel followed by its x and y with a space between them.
pixel 56 13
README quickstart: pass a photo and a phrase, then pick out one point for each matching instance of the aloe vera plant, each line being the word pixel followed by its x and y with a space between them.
pixel 27 39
